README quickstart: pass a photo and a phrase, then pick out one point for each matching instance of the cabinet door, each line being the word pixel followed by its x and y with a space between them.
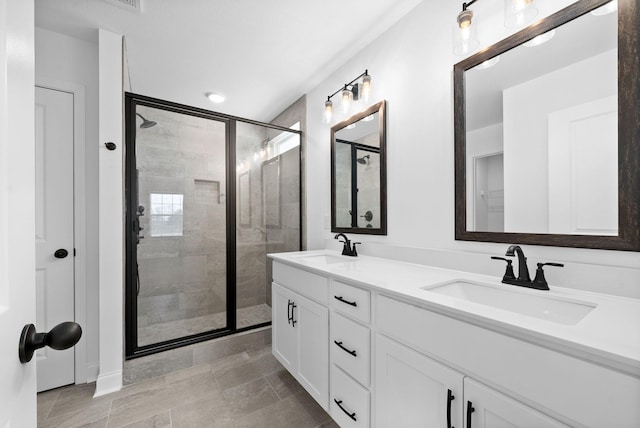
pixel 285 335
pixel 412 390
pixel 492 409
pixel 312 326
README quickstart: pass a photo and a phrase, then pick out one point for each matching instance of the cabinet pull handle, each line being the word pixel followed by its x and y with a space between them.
pixel 348 351
pixel 289 311
pixel 293 320
pixel 354 304
pixel 470 410
pixel 450 398
pixel 351 415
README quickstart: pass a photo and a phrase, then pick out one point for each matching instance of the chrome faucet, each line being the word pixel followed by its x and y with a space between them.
pixel 347 249
pixel 523 279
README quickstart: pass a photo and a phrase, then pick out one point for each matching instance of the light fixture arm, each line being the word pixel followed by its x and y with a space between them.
pixel 346 85
pixel 467 4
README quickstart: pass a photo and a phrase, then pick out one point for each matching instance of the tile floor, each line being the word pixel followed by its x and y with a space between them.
pixel 158 332
pixel 249 389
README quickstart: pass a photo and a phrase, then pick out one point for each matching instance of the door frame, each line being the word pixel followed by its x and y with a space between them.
pixel 79 216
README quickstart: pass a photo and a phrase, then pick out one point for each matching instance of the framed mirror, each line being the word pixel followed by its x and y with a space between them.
pixel 358 173
pixel 547 133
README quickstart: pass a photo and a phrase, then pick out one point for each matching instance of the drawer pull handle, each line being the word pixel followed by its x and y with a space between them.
pixel 450 398
pixel 470 410
pixel 351 415
pixel 348 351
pixel 354 304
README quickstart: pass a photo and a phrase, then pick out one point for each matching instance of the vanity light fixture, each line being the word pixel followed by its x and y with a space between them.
pixel 352 91
pixel 518 13
pixel 465 39
pixel 215 98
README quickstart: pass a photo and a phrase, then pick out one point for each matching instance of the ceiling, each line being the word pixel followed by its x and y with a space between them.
pixel 262 55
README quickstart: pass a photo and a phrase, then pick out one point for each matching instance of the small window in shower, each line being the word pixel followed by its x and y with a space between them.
pixel 166 214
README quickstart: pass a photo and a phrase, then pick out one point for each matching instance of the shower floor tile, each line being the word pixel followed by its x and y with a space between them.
pixel 168 330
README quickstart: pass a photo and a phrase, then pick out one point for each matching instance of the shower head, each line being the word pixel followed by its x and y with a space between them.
pixel 146 123
pixel 363 160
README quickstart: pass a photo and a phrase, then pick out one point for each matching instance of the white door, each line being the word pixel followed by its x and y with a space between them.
pixel 491 409
pixel 17 197
pixel 54 230
pixel 413 390
pixel 583 169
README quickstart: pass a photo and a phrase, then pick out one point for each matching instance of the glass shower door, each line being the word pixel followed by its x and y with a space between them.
pixel 181 243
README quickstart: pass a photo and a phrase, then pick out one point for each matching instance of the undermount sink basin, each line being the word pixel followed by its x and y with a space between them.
pixel 327 259
pixel 549 308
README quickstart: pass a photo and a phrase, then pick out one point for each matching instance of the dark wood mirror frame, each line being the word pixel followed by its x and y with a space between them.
pixel 628 238
pixel 380 108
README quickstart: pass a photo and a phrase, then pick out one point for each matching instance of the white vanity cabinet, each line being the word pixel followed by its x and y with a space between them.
pixel 350 342
pixel 377 357
pixel 413 390
pixel 301 331
pixel 485 407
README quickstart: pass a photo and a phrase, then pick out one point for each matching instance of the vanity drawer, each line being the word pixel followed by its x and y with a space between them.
pixel 350 347
pixel 352 301
pixel 307 284
pixel 349 402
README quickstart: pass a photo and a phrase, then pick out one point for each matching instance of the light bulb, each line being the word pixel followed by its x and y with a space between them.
pixel 328 111
pixel 464 18
pixel 346 100
pixel 366 87
pixel 465 34
pixel 255 155
pixel 518 13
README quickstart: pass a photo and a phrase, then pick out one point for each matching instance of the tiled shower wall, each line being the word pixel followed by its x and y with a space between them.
pixel 182 277
pixel 275 214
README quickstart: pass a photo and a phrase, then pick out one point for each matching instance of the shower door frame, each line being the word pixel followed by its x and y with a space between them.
pixel 132 349
pixel 354 147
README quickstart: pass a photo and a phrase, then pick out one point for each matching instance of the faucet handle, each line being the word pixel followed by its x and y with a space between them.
pixel 508 274
pixel 354 253
pixel 540 279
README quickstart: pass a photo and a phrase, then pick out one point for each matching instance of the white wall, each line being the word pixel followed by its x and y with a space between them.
pixel 111 211
pixel 66 59
pixel 411 65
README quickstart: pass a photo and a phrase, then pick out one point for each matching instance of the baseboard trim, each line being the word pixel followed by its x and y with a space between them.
pixel 108 383
pixel 93 371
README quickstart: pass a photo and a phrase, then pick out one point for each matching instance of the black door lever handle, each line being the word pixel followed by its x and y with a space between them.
pixel 62 336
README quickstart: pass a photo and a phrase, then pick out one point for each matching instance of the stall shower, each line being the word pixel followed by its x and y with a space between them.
pixel 208 196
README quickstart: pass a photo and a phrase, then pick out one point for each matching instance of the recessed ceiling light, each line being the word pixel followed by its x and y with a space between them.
pixel 215 98
pixel 542 38
pixel 489 63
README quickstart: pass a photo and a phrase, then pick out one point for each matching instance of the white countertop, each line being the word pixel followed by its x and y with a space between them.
pixel 609 334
